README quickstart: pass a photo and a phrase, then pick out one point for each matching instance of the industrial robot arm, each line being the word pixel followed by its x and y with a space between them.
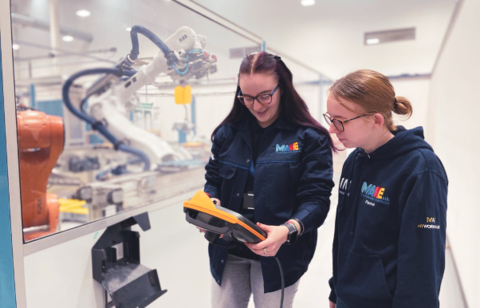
pixel 181 57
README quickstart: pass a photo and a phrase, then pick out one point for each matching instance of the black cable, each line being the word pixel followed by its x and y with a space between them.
pixel 282 279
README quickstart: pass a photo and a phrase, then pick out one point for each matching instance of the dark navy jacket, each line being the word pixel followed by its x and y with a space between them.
pixel 389 244
pixel 293 179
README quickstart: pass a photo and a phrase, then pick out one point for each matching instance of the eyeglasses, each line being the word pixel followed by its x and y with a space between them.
pixel 264 98
pixel 339 124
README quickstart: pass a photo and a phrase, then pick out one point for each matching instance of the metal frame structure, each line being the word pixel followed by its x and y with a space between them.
pixel 11 169
pixel 7 280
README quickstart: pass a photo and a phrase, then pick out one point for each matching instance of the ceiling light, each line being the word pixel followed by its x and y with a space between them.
pixel 83 13
pixel 67 38
pixel 308 2
pixel 129 29
pixel 373 41
pixel 15 47
pixel 387 36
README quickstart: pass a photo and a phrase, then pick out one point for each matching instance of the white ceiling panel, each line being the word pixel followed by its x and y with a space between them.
pixel 329 35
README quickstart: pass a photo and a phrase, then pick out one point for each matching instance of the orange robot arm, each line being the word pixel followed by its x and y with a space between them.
pixel 40 143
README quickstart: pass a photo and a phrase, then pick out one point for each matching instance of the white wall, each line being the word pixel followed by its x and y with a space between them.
pixel 416 90
pixel 61 276
pixel 454 112
pixel 313 95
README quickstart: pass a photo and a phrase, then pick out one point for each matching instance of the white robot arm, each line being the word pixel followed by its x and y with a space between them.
pixel 112 106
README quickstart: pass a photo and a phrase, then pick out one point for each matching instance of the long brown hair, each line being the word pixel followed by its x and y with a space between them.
pixel 293 106
pixel 374 93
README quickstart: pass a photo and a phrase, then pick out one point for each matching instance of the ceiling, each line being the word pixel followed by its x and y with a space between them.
pixel 102 39
pixel 328 36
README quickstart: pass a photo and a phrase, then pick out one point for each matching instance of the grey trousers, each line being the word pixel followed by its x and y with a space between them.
pixel 242 278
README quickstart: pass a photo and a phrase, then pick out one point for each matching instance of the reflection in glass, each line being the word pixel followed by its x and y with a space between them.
pixel 100 130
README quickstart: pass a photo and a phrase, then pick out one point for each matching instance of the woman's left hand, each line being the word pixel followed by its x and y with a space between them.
pixel 276 236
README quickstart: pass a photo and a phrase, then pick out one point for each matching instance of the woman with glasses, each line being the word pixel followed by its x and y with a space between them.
pixel 272 163
pixel 389 243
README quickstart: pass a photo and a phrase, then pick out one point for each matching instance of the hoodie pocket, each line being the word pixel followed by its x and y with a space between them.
pixel 361 280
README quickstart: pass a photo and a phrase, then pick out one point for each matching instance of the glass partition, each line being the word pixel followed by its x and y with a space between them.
pixel 116 102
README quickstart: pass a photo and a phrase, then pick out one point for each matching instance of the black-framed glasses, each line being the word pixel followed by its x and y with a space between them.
pixel 339 124
pixel 263 98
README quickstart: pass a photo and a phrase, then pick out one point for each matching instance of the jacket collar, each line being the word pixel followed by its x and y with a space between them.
pixel 280 123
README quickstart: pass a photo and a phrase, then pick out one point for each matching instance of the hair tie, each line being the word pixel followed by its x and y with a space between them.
pixel 277 57
pixel 395 101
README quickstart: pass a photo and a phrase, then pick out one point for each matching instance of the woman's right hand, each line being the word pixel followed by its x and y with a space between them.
pixel 332 305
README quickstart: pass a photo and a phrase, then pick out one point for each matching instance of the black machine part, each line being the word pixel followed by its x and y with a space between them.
pixel 128 283
pixel 215 226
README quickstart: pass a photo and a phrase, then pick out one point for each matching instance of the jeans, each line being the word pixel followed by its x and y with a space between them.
pixel 242 278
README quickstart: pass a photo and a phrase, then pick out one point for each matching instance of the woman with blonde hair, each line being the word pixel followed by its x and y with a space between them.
pixel 389 243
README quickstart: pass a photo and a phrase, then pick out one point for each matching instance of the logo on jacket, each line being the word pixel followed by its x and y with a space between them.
pixel 285 148
pixel 344 186
pixel 375 193
pixel 429 224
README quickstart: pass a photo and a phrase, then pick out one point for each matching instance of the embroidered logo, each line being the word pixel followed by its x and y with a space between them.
pixel 374 193
pixel 285 148
pixel 429 224
pixel 344 186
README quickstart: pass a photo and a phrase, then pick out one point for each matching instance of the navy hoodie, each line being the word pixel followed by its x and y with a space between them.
pixel 389 244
